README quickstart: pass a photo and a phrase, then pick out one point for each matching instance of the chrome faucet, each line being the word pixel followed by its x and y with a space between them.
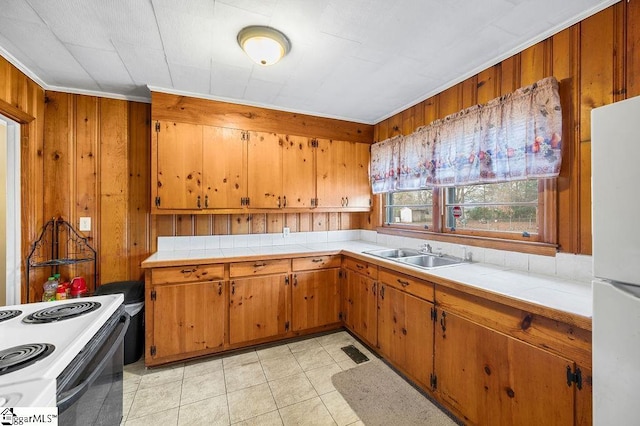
pixel 426 248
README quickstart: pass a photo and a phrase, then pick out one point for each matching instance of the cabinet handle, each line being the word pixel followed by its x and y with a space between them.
pixel 359 266
pixel 403 283
pixel 346 201
pixel 259 265
pixel 284 203
pixel 295 280
pixel 382 291
pixel 189 271
pixel 278 202
pixel 233 288
pixel 219 289
pixel 206 201
pixel 316 260
pixel 198 203
pixel 443 322
pixel 342 201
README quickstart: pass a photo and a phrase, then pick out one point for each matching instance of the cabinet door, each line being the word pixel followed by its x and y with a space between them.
pixel 188 318
pixel 358 192
pixel 257 308
pixel 264 170
pixel 224 163
pixel 179 165
pixel 330 173
pixel 490 378
pixel 362 315
pixel 315 299
pixel 405 332
pixel 298 172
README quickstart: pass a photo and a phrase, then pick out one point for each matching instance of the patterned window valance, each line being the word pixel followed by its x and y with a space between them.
pixel 513 137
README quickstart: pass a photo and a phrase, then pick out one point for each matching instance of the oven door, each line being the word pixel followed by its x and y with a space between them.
pixel 89 391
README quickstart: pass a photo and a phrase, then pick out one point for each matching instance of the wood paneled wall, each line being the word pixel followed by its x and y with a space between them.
pixel 596 61
pixel 22 100
pixel 213 113
pixel 96 164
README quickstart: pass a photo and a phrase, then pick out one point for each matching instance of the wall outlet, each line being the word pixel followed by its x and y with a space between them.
pixel 85 224
pixel 285 232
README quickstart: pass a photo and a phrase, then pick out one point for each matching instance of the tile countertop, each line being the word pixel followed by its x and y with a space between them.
pixel 501 284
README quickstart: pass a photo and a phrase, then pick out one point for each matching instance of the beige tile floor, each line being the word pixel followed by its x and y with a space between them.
pixel 286 384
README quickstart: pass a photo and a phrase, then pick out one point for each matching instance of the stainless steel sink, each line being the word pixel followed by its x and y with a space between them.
pixel 428 261
pixel 394 253
pixel 417 258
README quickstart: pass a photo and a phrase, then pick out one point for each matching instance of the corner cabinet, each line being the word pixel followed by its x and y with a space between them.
pixel 315 292
pixel 209 169
pixel 187 312
pixel 360 300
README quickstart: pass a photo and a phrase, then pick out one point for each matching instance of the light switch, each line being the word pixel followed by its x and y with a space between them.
pixel 285 232
pixel 85 224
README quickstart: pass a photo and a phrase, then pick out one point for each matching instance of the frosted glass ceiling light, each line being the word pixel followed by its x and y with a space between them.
pixel 264 45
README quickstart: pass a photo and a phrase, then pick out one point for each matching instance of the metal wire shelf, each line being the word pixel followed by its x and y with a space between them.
pixel 59 244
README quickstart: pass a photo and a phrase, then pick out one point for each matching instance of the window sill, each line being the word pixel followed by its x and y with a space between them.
pixel 544 249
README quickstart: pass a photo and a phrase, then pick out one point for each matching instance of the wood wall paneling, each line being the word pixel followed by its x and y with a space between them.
pixel 633 48
pixel 114 191
pixel 596 62
pixel 202 111
pixel 22 100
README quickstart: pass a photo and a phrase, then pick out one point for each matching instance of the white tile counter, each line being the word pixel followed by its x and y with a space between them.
pixel 549 291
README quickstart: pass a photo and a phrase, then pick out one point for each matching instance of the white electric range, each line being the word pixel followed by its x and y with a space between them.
pixel 54 354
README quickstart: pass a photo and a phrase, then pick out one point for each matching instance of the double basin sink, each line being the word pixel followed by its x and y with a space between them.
pixel 417 258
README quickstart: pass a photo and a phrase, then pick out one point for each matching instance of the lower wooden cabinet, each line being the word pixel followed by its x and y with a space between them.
pixel 258 308
pixel 489 378
pixel 315 299
pixel 491 362
pixel 360 306
pixel 187 318
pixel 405 332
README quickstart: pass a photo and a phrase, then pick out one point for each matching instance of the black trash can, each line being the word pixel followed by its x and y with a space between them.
pixel 134 305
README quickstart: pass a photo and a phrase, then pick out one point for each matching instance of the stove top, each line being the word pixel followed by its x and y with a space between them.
pixel 65 337
pixel 21 356
pixel 61 312
pixel 8 314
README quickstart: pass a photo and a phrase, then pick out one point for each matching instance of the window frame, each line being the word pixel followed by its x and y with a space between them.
pixel 542 242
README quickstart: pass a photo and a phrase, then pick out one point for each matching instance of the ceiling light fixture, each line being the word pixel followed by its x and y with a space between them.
pixel 264 45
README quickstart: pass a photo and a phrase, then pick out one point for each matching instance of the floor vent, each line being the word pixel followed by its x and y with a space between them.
pixel 353 353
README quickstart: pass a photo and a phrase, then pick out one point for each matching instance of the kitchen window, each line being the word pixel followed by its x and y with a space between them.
pixel 507 210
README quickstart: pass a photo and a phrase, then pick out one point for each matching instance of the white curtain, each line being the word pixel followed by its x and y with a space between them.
pixel 514 137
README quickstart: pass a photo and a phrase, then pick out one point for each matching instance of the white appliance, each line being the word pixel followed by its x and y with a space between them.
pixel 77 347
pixel 615 165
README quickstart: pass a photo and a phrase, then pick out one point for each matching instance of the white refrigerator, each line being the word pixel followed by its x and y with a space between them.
pixel 615 185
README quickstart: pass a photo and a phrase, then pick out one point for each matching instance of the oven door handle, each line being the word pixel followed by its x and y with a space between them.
pixel 66 399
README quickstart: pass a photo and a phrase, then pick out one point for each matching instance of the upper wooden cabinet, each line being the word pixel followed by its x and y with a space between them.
pixel 179 165
pixel 224 167
pixel 298 172
pixel 264 168
pixel 342 174
pixel 199 167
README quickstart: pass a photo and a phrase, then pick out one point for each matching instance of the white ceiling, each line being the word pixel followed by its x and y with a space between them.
pixel 358 60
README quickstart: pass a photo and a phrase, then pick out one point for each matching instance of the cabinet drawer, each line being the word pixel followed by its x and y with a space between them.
pixel 361 267
pixel 316 262
pixel 259 267
pixel 416 287
pixel 188 273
